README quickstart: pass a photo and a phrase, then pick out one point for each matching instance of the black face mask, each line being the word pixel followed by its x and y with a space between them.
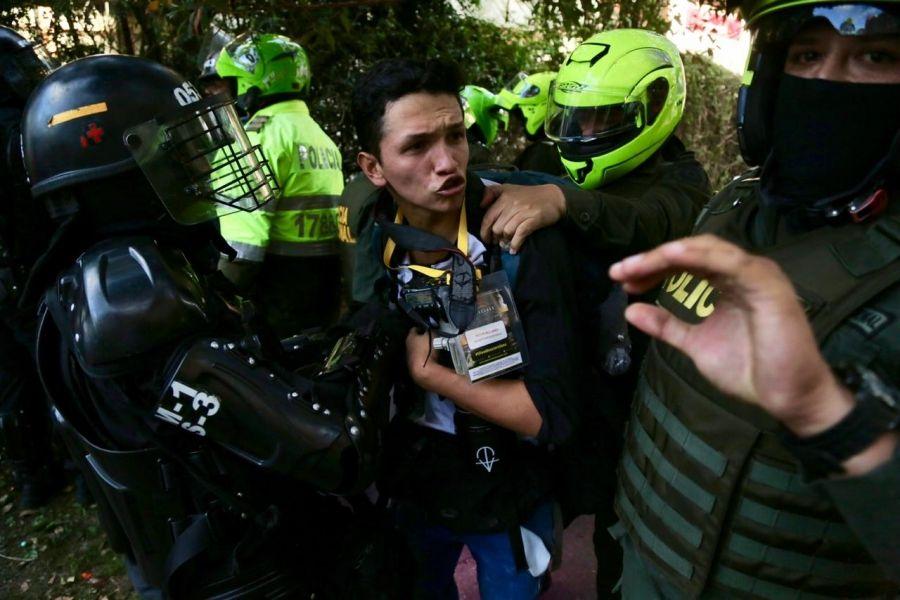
pixel 831 141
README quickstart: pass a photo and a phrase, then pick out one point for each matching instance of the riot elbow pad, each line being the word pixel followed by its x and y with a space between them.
pixel 269 417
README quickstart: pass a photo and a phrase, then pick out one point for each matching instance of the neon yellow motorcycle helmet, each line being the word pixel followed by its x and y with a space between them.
pixel 527 95
pixel 483 116
pixel 264 65
pixel 617 99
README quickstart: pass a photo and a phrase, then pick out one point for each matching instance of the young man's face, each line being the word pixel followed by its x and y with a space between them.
pixel 423 153
pixel 820 52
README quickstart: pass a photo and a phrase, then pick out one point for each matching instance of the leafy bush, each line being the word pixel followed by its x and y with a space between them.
pixel 343 38
pixel 708 124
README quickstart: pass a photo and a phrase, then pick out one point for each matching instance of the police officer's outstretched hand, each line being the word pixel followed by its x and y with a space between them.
pixel 517 211
pixel 757 345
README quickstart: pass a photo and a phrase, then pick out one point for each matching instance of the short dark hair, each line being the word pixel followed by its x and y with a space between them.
pixel 390 80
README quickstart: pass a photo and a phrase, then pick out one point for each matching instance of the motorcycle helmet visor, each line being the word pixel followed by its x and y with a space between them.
pixel 201 163
pixel 846 19
pixel 522 90
pixel 24 70
pixel 596 120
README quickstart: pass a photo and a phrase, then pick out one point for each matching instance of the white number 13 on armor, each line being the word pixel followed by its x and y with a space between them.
pixel 201 402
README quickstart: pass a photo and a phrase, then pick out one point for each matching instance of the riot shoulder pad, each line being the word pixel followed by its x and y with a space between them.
pixel 125 300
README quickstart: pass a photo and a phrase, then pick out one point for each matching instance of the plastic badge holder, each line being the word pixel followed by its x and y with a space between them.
pixel 494 342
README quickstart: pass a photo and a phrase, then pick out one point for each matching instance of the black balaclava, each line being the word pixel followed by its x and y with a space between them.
pixel 832 141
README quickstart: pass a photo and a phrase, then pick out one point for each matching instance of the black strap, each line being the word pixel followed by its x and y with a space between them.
pixel 413 238
pixel 463 280
pixel 188 546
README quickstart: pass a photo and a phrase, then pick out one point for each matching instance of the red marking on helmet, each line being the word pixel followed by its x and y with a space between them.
pixel 92 135
pixel 95 133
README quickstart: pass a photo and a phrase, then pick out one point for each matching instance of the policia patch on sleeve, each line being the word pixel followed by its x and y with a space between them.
pixel 257 123
pixel 870 321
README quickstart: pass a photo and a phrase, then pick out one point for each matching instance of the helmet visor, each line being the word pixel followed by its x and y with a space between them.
pixel 599 119
pixel 846 19
pixel 513 83
pixel 201 163
pixel 521 87
pixel 25 69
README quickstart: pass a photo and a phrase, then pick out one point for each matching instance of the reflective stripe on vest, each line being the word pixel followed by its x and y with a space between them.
pixel 305 226
pixel 307 202
pixel 248 252
pixel 302 248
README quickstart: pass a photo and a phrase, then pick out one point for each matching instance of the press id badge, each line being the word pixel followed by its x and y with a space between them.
pixel 494 342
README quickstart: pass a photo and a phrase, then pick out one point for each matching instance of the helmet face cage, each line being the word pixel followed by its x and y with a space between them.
pixel 201 163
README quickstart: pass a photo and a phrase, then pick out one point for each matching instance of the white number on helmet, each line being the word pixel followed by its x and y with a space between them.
pixel 186 94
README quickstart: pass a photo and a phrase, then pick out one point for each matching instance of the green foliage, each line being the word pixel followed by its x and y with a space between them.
pixel 708 124
pixel 581 19
pixel 344 37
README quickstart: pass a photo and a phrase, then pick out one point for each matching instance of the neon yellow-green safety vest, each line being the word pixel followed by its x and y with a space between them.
pixel 303 220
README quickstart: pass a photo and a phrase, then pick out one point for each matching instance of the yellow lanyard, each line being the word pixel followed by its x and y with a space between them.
pixel 462 244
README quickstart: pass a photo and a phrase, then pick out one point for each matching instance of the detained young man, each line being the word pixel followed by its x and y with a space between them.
pixel 469 463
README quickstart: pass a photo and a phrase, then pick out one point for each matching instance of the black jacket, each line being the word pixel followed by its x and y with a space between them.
pixel 657 202
pixel 428 467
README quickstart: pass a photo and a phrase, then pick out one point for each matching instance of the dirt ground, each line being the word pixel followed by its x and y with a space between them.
pixel 58 552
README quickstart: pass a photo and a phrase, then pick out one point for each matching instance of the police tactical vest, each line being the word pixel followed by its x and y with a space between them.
pixel 706 491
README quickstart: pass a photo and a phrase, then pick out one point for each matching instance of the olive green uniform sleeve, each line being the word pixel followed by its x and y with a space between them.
pixel 871 503
pixel 656 203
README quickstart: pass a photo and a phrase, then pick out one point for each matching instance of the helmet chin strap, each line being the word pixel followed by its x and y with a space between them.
pixel 249 100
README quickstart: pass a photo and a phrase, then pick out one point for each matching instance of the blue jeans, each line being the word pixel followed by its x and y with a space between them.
pixel 437 550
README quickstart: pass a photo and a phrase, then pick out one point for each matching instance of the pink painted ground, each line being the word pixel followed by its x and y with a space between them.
pixel 574 580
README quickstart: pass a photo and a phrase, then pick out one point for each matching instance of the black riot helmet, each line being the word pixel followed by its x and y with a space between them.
pixel 23 65
pixel 101 117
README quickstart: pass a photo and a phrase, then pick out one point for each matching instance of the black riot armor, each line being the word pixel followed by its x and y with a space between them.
pixel 24 230
pixel 213 451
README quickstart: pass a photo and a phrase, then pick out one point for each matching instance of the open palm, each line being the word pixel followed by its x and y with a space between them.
pixel 756 346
